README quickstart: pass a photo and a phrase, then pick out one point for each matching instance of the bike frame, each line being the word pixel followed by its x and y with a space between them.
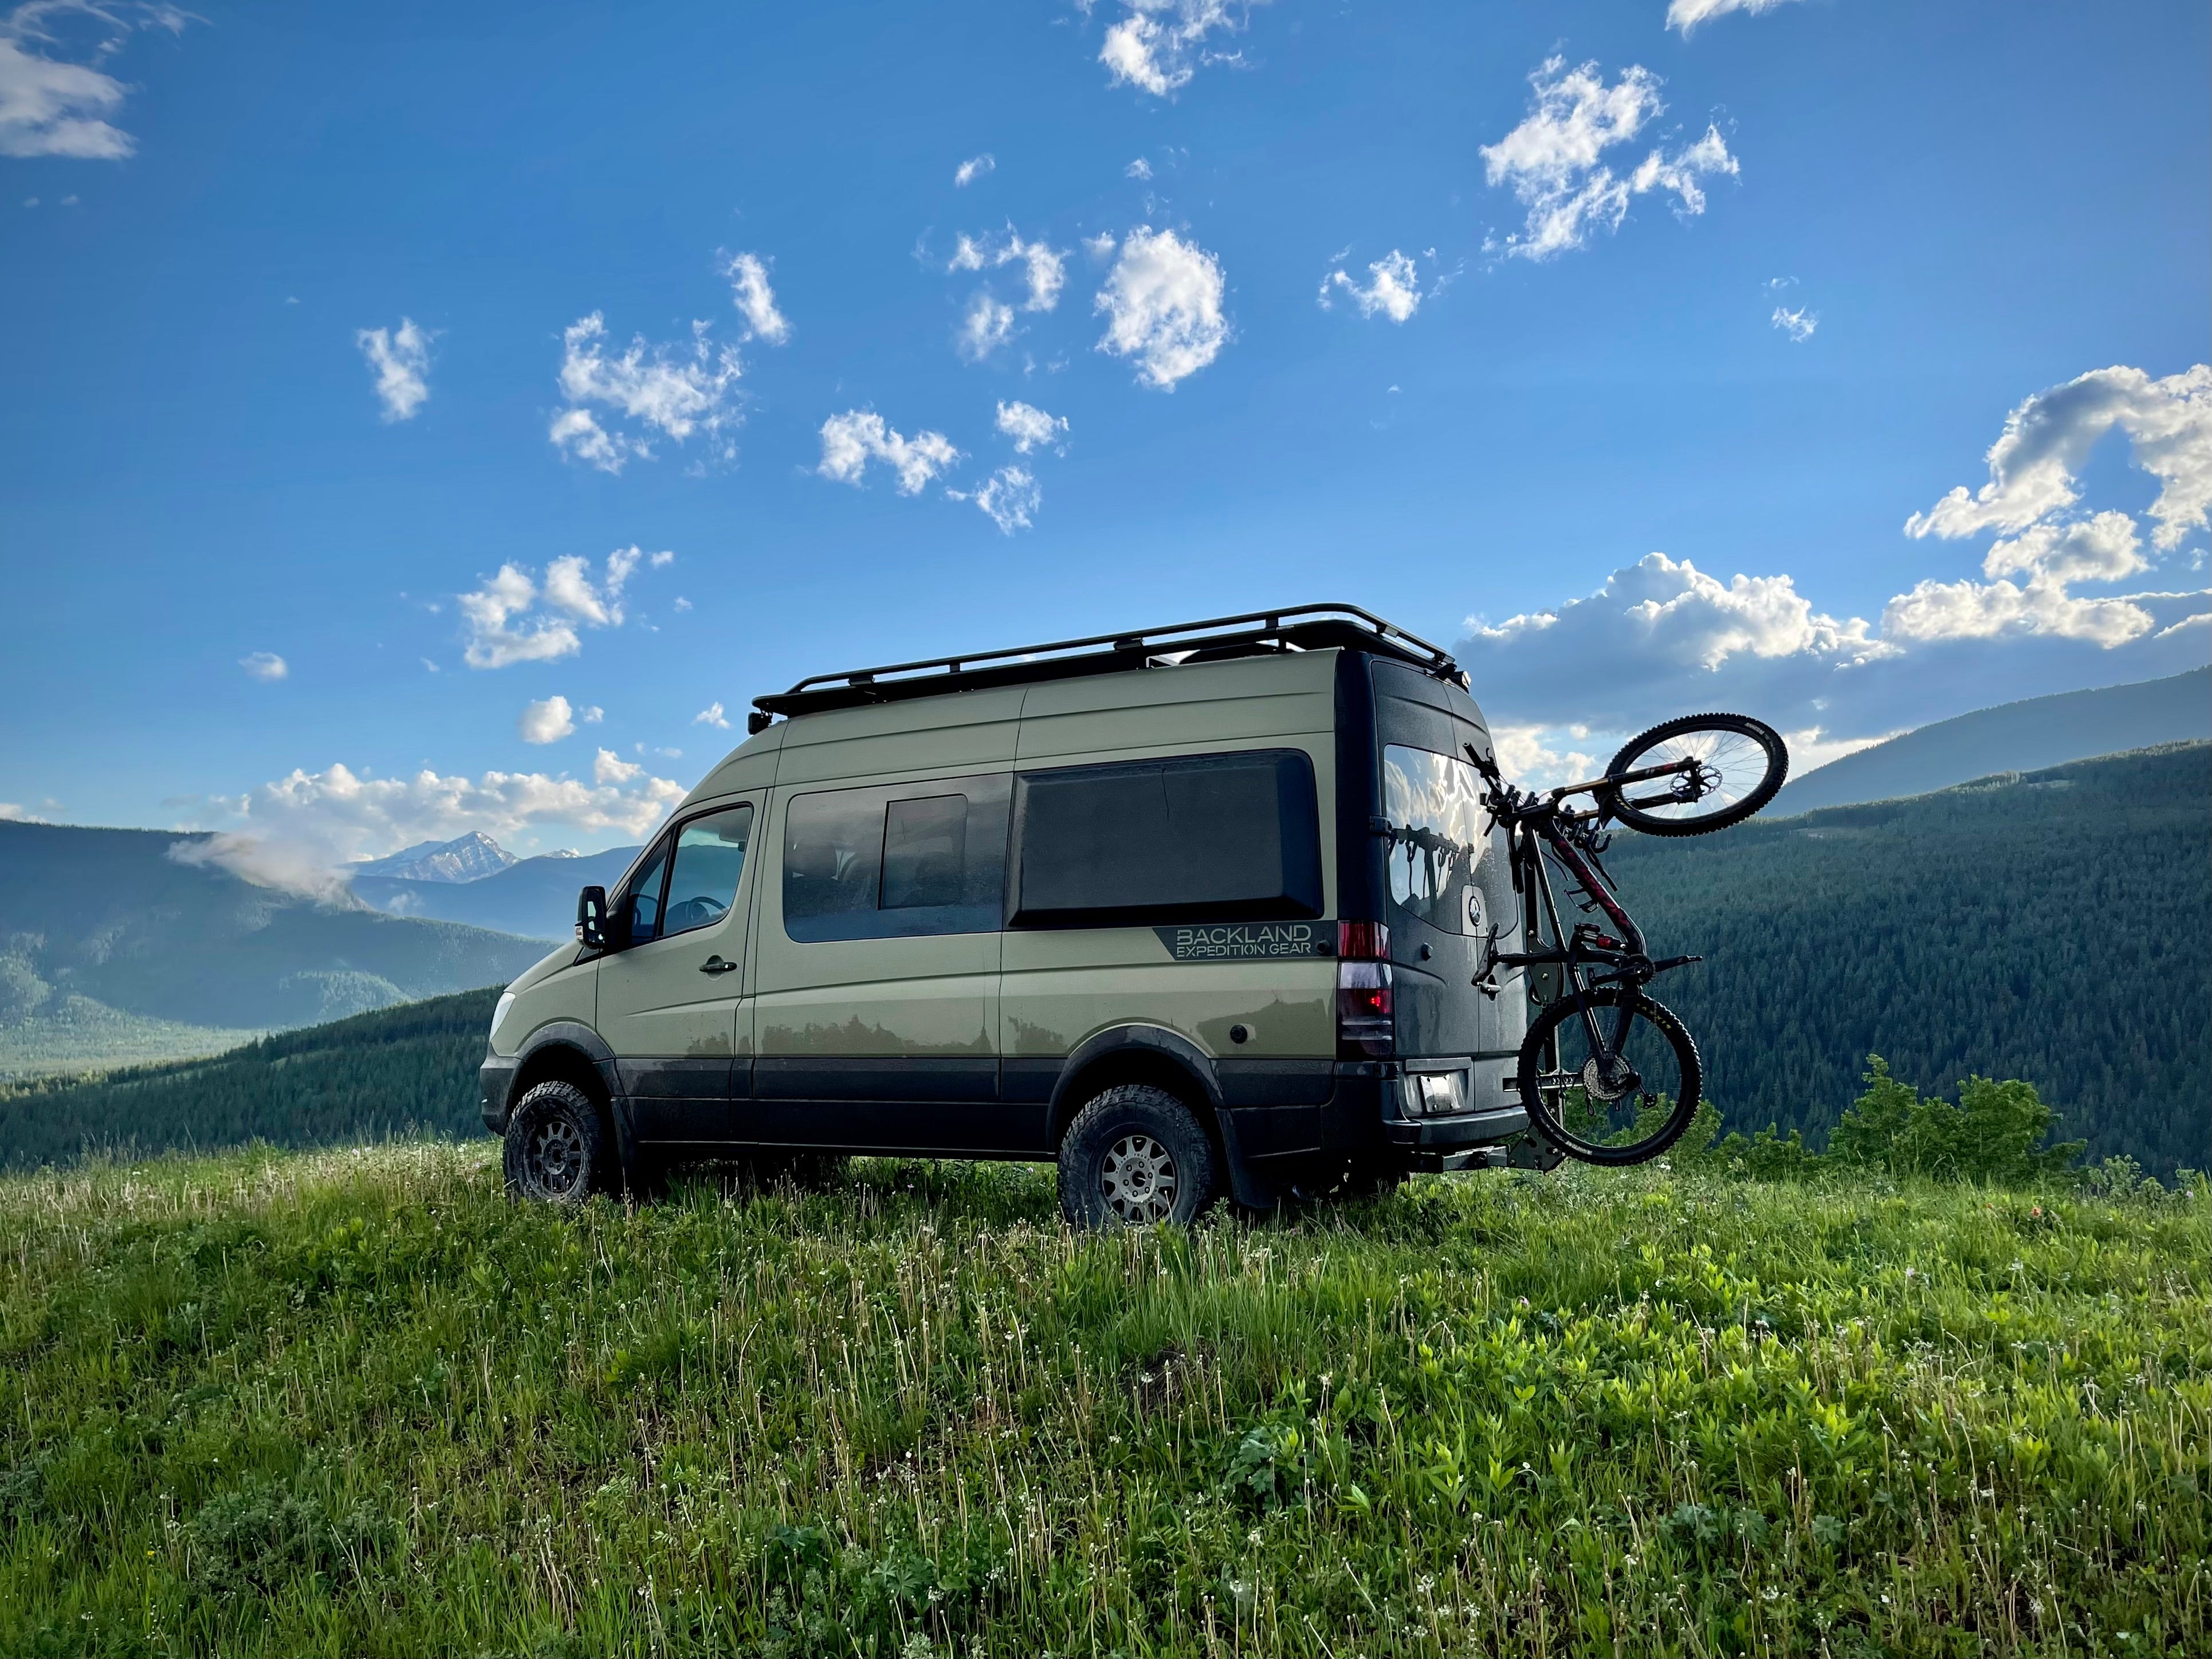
pixel 1544 829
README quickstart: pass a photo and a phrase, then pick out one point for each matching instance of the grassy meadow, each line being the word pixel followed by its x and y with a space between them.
pixel 354 1402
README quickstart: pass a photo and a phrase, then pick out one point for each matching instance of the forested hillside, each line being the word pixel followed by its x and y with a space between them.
pixel 2050 926
pixel 363 1078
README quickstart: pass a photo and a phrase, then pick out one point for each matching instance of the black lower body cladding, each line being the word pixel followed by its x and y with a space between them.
pixel 494 1083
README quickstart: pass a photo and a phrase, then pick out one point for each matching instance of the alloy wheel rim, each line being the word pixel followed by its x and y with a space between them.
pixel 557 1156
pixel 1139 1179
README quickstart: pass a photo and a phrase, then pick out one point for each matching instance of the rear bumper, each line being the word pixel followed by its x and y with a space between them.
pixel 1366 1112
pixel 495 1081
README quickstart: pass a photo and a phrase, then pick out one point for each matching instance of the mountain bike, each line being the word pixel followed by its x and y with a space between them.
pixel 1608 1073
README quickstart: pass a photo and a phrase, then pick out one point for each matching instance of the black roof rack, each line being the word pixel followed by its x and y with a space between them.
pixel 1297 628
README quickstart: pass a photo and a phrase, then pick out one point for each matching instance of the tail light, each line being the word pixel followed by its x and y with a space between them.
pixel 1364 1024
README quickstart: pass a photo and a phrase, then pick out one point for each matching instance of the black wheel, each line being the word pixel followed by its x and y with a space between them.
pixel 1609 1103
pixel 1135 1156
pixel 1730 766
pixel 556 1146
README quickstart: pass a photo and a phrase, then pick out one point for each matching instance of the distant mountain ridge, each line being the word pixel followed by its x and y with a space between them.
pixel 533 897
pixel 114 917
pixel 2025 736
pixel 469 857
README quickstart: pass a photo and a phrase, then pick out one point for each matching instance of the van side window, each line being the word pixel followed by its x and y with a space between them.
pixel 710 857
pixel 896 860
pixel 1209 837
pixel 639 906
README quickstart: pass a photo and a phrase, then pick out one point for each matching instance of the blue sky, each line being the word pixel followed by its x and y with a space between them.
pixel 1578 244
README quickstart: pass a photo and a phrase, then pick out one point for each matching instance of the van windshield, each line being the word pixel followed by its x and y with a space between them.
pixel 1440 831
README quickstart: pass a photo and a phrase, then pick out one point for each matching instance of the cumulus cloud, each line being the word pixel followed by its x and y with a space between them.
pixel 265 666
pixel 608 768
pixel 504 623
pixel 2048 557
pixel 1798 324
pixel 1552 161
pixel 2036 460
pixel 754 298
pixel 546 721
pixel 1030 427
pixel 401 358
pixel 1158 45
pixel 1393 289
pixel 55 98
pixel 660 388
pixel 1687 14
pixel 1007 498
pixel 1139 169
pixel 712 715
pixel 295 830
pixel 852 440
pixel 974 168
pixel 1162 302
pixel 987 325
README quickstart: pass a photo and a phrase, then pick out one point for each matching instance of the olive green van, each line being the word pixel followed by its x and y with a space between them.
pixel 1193 913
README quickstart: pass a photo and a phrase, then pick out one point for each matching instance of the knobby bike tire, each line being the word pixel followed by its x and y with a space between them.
pixel 1662 1019
pixel 1617 807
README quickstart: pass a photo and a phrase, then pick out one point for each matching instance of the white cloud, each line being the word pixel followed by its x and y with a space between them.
pixel 265 665
pixel 593 716
pixel 610 768
pixel 1551 161
pixel 1008 496
pixel 547 722
pixel 662 560
pixel 2036 460
pixel 682 603
pixel 1030 427
pixel 12 812
pixel 712 715
pixel 1799 324
pixel 52 106
pixel 1162 305
pixel 1100 246
pixel 987 325
pixel 1160 44
pixel 504 626
pixel 401 358
pixel 852 440
pixel 1687 14
pixel 973 168
pixel 1537 757
pixel 1140 168
pixel 2049 557
pixel 750 293
pixel 287 832
pixel 1043 266
pixel 1394 288
pixel 659 386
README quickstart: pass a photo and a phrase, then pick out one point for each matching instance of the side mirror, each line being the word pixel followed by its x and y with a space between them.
pixel 592 919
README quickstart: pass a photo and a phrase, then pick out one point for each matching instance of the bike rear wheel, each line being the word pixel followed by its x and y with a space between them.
pixel 1608 1104
pixel 1733 764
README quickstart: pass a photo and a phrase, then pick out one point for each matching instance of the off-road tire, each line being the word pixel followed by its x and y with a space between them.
pixel 1126 1148
pixel 557 1148
pixel 1757 732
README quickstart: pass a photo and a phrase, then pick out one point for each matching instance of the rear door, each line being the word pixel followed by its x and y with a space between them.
pixel 670 1001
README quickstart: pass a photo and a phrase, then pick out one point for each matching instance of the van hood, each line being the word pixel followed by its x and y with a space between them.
pixel 545 967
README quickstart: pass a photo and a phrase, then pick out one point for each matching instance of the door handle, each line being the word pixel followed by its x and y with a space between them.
pixel 714 964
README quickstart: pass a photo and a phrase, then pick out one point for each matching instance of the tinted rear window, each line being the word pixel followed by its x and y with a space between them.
pixel 1226 838
pixel 896 860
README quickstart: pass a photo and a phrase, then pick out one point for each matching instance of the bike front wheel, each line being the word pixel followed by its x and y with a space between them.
pixel 1727 766
pixel 1605 1094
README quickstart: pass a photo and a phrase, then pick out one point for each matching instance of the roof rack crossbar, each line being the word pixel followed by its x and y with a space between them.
pixel 1150 638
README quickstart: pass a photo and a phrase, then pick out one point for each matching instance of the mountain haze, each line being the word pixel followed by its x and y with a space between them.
pixel 110 919
pixel 535 897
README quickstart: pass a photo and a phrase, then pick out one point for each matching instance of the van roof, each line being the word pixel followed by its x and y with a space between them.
pixel 1299 628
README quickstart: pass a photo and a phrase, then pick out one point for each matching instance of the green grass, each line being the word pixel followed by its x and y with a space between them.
pixel 356 1402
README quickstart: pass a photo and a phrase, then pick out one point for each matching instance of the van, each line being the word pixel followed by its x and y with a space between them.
pixel 1193 913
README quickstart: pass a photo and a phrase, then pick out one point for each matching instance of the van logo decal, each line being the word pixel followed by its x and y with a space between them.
pixel 1222 942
